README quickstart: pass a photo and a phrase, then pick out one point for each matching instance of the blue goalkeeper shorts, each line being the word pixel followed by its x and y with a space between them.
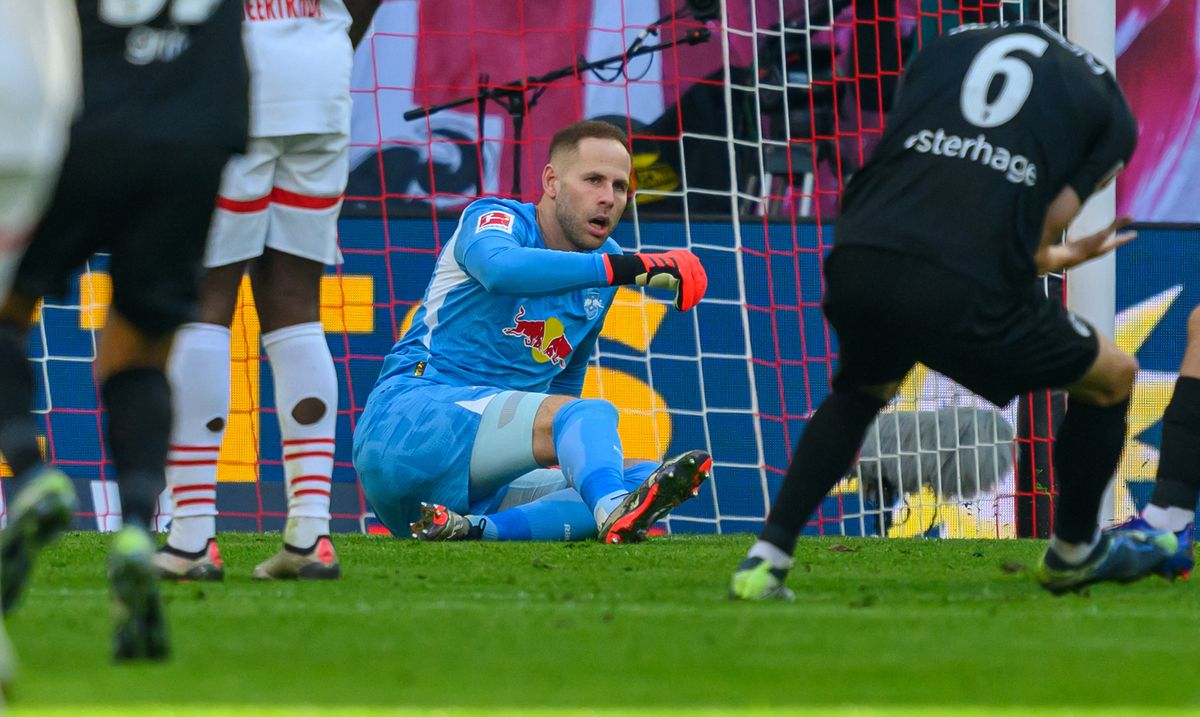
pixel 413 443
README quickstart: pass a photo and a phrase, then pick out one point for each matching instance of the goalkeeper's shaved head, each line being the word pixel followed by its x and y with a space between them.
pixel 567 139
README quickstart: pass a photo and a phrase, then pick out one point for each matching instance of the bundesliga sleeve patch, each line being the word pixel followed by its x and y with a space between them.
pixel 495 220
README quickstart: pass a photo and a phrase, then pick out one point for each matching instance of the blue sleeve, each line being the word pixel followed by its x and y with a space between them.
pixel 497 261
pixel 569 382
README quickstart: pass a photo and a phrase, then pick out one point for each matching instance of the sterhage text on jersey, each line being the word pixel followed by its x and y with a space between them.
pixel 1016 167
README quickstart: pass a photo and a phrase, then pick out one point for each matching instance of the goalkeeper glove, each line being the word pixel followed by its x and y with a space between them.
pixel 678 269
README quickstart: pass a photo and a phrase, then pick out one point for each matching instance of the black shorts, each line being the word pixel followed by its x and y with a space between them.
pixel 891 311
pixel 149 206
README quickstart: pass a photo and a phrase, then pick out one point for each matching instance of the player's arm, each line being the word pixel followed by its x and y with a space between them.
pixel 1053 256
pixel 1110 153
pixel 497 261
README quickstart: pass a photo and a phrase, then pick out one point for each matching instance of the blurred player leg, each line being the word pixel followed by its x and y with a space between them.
pixel 42 502
pixel 1172 506
pixel 39 95
pixel 301 240
pixel 137 397
pixel 824 453
pixel 154 292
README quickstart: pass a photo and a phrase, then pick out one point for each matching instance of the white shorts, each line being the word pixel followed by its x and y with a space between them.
pixel 284 193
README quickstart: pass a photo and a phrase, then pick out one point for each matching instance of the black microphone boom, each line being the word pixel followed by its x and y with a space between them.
pixel 513 97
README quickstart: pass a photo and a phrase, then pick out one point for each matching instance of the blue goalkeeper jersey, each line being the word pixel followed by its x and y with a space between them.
pixel 503 310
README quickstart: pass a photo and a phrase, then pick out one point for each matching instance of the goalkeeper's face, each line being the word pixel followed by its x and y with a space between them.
pixel 590 189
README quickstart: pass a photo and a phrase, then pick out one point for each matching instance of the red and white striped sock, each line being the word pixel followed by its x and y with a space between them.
pixel 306 403
pixel 307 467
pixel 199 373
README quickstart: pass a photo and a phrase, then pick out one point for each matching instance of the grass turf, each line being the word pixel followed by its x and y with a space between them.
pixel 879 627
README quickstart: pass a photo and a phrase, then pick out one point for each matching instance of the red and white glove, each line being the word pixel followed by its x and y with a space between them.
pixel 678 269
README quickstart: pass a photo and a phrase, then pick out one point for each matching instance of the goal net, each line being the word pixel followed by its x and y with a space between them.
pixel 745 127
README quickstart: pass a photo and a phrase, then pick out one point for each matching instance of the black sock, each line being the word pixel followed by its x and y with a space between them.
pixel 1086 454
pixel 824 454
pixel 18 428
pixel 1178 484
pixel 138 401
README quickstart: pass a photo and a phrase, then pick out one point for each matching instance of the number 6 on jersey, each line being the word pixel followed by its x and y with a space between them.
pixel 995 59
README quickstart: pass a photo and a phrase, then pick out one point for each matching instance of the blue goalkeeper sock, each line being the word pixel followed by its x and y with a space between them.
pixel 561 515
pixel 589 452
pixel 637 473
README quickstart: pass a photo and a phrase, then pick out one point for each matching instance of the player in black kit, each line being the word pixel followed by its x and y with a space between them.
pixel 999 133
pixel 165 106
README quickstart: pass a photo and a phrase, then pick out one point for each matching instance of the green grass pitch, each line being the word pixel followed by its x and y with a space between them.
pixel 880 627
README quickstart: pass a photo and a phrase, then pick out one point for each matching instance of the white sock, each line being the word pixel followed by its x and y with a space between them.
pixel 606 505
pixel 198 370
pixel 772 554
pixel 1073 553
pixel 1167 518
pixel 303 369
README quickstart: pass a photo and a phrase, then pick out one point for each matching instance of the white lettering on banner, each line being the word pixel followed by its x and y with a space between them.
pixel 263 10
pixel 1016 167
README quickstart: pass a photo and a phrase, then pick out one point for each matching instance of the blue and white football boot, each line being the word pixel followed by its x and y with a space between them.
pixel 1178 565
pixel 1122 557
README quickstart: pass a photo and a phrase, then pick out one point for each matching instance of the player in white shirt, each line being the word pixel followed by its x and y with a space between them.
pixel 39 95
pixel 276 219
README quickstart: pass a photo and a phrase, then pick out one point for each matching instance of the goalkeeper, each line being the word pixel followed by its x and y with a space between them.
pixel 485 387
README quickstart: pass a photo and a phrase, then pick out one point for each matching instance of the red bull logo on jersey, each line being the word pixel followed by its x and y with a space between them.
pixel 544 337
pixel 495 220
